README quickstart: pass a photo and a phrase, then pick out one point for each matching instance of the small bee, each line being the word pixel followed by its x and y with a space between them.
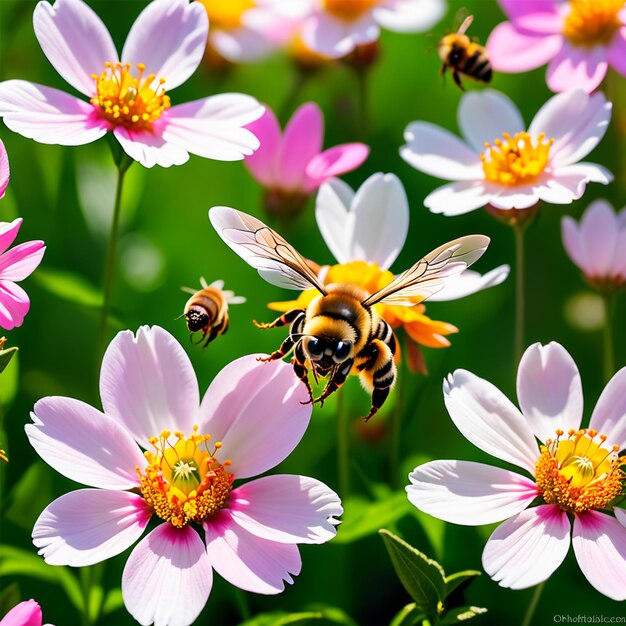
pixel 207 310
pixel 463 56
pixel 339 333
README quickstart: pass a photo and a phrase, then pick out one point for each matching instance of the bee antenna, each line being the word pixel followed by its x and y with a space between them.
pixel 181 315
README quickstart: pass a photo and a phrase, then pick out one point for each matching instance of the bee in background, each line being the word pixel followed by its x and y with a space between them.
pixel 339 333
pixel 206 311
pixel 463 56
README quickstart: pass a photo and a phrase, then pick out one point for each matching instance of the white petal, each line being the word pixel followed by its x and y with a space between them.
pixel 438 152
pixel 150 148
pixel 408 16
pixel 620 516
pixel 167 578
pixel 147 383
pixel 549 390
pixel 525 550
pixel 242 45
pixel 592 171
pixel 471 494
pixel 458 198
pixel 599 230
pixel 470 282
pixel 334 37
pixel 484 115
pixel 609 415
pixel 90 525
pixel 572 242
pixel 521 197
pixel 488 419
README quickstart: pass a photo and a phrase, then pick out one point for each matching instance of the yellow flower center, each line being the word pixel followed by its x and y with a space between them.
pixel 305 57
pixel 592 22
pixel 349 9
pixel 516 160
pixel 579 473
pixel 128 100
pixel 226 14
pixel 185 482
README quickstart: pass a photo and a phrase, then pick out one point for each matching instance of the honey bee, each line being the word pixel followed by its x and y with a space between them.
pixel 463 56
pixel 207 310
pixel 339 333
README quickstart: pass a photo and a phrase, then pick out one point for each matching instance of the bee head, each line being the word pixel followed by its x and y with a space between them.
pixel 326 351
pixel 197 319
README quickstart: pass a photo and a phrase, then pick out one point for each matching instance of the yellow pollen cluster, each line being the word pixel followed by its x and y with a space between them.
pixel 349 9
pixel 226 14
pixel 592 22
pixel 184 482
pixel 516 160
pixel 128 100
pixel 578 473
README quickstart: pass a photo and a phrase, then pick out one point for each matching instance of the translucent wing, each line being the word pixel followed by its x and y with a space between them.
pixel 277 261
pixel 428 275
pixel 467 22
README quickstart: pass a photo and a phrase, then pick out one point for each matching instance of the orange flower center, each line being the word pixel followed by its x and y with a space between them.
pixel 579 473
pixel 184 482
pixel 226 14
pixel 349 9
pixel 128 100
pixel 516 160
pixel 592 22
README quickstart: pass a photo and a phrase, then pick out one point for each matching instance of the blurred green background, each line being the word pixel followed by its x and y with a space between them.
pixel 65 196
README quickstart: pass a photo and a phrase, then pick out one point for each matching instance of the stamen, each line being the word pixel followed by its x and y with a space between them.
pixel 592 22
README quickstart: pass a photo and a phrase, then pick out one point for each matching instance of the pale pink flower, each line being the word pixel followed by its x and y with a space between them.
pixel 255 415
pixel 15 265
pixel 127 97
pixel 579 39
pixel 597 245
pixel 5 170
pixel 575 471
pixel 500 163
pixel 27 613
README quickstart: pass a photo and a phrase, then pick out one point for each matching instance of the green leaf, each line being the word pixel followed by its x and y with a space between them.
pixel 9 597
pixel 30 495
pixel 281 618
pixel 9 380
pixel 112 602
pixel 423 578
pixel 6 356
pixel 68 286
pixel 462 614
pixel 454 580
pixel 408 616
pixel 331 614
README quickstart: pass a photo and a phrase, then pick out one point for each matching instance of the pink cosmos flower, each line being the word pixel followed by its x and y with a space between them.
pixel 578 39
pixel 598 244
pixel 5 170
pixel 249 420
pixel 576 471
pixel 292 165
pixel 127 97
pixel 15 265
pixel 27 613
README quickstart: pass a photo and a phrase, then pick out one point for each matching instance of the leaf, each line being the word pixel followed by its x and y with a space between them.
pixel 423 578
pixel 454 580
pixel 112 602
pixel 332 614
pixel 68 286
pixel 9 597
pixel 281 618
pixel 408 616
pixel 462 614
pixel 5 356
pixel 30 495
pixel 9 380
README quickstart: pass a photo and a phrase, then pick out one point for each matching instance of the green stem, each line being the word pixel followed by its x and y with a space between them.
pixel 85 583
pixel 396 426
pixel 534 601
pixel 343 455
pixel 609 352
pixel 518 229
pixel 293 94
pixel 361 77
pixel 241 597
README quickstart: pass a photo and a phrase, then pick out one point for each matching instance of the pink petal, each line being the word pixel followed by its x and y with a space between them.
pixel 90 525
pixel 263 163
pixel 487 418
pixel 21 261
pixel 242 45
pixel 541 16
pixel 48 115
pixel 458 198
pixel 616 54
pixel 608 416
pixel 462 492
pixel 247 561
pixel 599 542
pixel 334 37
pixel 526 550
pixel 167 578
pixel 75 40
pixel 286 509
pixel 549 390
pixel 26 613
pixel 599 230
pixel 512 50
pixel 256 410
pixel 620 516
pixel 169 38
pixel 83 444
pixel 572 242
pixel 14 305
pixel 148 385
pixel 5 173
pixel 577 68
pixel 8 233
pixel 150 148
pixel 334 162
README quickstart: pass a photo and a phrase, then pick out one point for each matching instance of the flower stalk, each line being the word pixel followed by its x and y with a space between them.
pixel 609 352
pixel 532 607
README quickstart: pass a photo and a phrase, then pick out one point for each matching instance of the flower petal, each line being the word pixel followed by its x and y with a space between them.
pixel 241 45
pixel 150 148
pixel 263 163
pixel 471 494
pixel 334 162
pixel 90 525
pixel 599 542
pixel 334 37
pixel 526 550
pixel 148 385
pixel 247 561
pixel 469 282
pixel 487 418
pixel 541 16
pixel 14 305
pixel 169 38
pixel 286 509
pixel 616 54
pixel 549 390
pixel 8 233
pixel 438 152
pixel 458 198
pixel 620 516
pixel 21 261
pixel 484 115
pixel 27 613
pixel 577 67
pixel 608 416
pixel 48 115
pixel 599 230
pixel 407 16
pixel 167 578
pixel 83 444
pixel 5 174
pixel 572 242
pixel 256 410
pixel 75 40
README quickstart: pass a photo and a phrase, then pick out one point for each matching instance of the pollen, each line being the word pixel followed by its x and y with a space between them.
pixel 226 15
pixel 349 10
pixel 580 472
pixel 517 160
pixel 134 102
pixel 592 22
pixel 184 482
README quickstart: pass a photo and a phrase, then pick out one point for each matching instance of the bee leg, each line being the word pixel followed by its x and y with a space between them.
pixel 338 378
pixel 384 332
pixel 299 367
pixel 457 80
pixel 287 346
pixel 220 329
pixel 378 372
pixel 286 318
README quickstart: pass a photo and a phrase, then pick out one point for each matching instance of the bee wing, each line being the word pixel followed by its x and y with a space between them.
pixel 277 261
pixel 428 275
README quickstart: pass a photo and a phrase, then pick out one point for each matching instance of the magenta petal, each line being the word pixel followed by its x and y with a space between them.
pixel 577 68
pixel 90 525
pixel 21 261
pixel 263 164
pixel 8 233
pixel 616 54
pixel 334 162
pixel 5 173
pixel 167 578
pixel 540 16
pixel 14 305
pixel 26 613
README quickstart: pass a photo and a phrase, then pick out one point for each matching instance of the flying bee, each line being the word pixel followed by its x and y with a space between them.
pixel 463 56
pixel 339 333
pixel 207 310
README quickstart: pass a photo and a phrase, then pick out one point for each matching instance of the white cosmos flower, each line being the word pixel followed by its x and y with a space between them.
pixel 498 162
